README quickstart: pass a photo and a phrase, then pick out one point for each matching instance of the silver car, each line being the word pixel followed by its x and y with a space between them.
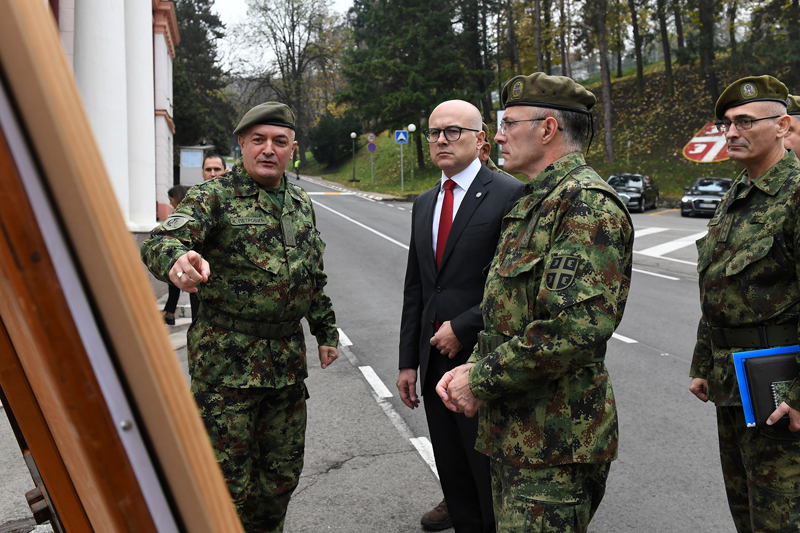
pixel 703 196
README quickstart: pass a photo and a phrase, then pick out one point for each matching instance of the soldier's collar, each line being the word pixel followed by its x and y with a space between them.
pixel 243 184
pixel 547 180
pixel 773 179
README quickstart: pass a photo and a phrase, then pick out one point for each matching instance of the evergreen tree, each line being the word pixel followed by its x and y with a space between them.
pixel 404 61
pixel 201 111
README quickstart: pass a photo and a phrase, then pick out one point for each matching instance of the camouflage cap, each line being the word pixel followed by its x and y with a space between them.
pixel 794 105
pixel 271 113
pixel 751 89
pixel 541 90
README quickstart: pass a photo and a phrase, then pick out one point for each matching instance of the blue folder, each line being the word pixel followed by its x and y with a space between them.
pixel 744 389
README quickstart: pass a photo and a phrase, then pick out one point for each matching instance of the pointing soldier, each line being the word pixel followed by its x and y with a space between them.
pixel 260 272
pixel 555 293
pixel 750 299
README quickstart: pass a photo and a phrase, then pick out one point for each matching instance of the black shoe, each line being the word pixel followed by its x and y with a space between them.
pixel 437 518
pixel 170 320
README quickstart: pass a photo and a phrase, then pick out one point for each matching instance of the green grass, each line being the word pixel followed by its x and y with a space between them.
pixel 386 163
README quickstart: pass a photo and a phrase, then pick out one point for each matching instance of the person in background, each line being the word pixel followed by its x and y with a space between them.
pixel 792 139
pixel 213 166
pixel 175 195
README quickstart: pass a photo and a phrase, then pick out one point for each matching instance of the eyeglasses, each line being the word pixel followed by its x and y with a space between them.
pixel 742 123
pixel 451 133
pixel 508 125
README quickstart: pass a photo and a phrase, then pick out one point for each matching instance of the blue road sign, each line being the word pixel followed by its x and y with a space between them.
pixel 401 136
pixel 371 147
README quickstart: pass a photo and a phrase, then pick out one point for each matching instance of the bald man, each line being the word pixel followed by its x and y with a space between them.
pixel 454 231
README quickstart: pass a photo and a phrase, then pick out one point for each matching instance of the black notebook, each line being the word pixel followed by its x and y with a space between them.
pixel 769 379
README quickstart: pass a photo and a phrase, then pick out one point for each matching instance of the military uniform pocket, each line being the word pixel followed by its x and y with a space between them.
pixel 748 255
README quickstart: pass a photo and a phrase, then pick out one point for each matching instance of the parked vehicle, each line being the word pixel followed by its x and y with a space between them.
pixel 641 190
pixel 703 196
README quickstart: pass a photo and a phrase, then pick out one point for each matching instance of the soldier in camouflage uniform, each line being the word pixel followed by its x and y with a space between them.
pixel 750 298
pixel 792 139
pixel 555 293
pixel 260 272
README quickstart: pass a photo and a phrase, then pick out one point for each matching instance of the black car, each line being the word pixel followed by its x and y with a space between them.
pixel 703 197
pixel 640 189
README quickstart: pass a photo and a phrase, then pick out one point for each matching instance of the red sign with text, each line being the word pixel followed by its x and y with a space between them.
pixel 707 146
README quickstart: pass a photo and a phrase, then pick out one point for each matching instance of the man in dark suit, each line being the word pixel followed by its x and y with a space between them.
pixel 455 227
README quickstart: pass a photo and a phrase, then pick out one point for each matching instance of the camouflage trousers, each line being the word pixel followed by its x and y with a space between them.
pixel 258 436
pixel 554 499
pixel 761 468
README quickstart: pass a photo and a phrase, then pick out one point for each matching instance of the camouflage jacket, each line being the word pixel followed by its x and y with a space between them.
pixel 266 266
pixel 557 286
pixel 749 266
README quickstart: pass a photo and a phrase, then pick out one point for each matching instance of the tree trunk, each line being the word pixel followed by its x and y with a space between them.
pixel 732 25
pixel 569 37
pixel 637 44
pixel 683 56
pixel 512 39
pixel 537 33
pixel 548 56
pixel 486 102
pixel 662 21
pixel 420 153
pixel 706 9
pixel 794 21
pixel 562 37
pixel 605 76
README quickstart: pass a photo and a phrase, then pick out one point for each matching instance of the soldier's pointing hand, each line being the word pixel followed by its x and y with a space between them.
pixel 189 270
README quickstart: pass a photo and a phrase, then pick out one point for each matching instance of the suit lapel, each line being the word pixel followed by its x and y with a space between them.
pixel 426 255
pixel 472 199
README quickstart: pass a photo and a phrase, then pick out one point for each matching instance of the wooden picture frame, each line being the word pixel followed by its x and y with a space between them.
pixel 85 361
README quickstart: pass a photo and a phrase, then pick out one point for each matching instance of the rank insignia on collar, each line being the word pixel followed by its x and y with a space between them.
pixel 561 272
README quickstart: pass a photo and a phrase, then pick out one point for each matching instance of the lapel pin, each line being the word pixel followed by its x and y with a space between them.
pixel 478 194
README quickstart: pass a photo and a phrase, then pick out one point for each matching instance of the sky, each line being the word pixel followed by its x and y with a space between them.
pixel 232 11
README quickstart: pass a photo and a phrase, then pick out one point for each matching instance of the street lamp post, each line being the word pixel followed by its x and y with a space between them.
pixel 353 136
pixel 412 128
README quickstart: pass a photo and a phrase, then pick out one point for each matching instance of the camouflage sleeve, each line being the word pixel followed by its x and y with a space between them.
pixel 701 360
pixel 578 304
pixel 184 230
pixel 321 317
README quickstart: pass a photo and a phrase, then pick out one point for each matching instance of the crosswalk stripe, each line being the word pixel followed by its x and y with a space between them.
pixel 671 246
pixel 647 231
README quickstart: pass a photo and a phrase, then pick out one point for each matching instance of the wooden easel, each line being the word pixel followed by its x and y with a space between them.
pixel 105 418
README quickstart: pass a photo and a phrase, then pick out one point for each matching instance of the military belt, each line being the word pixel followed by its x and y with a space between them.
pixel 265 330
pixel 489 343
pixel 754 337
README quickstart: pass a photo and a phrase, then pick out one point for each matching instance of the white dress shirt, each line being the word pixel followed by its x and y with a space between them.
pixel 463 180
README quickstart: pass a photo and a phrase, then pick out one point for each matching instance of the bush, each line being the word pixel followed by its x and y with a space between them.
pixel 330 138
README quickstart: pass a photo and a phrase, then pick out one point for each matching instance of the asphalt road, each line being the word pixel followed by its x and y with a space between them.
pixel 667 478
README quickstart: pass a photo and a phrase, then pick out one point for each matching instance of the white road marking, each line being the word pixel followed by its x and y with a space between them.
pixel 344 340
pixel 357 223
pixel 648 231
pixel 373 379
pixel 401 208
pixel 321 193
pixel 671 259
pixel 388 205
pixel 423 446
pixel 671 246
pixel 623 339
pixel 652 274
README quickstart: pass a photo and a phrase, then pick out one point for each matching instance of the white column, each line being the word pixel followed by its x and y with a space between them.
pixel 102 80
pixel 141 117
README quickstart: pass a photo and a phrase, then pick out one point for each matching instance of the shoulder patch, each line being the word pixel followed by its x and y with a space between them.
pixel 561 272
pixel 176 220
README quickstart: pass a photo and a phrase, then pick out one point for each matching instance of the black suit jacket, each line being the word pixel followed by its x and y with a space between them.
pixel 454 292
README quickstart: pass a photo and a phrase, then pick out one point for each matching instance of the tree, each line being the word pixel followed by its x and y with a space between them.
pixel 295 32
pixel 537 32
pixel 202 112
pixel 683 54
pixel 596 15
pixel 662 21
pixel 706 12
pixel 402 63
pixel 330 138
pixel 637 45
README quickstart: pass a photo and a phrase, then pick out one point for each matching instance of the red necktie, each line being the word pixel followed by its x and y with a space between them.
pixel 445 220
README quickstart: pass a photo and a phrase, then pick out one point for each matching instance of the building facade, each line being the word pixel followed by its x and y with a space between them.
pixel 127 96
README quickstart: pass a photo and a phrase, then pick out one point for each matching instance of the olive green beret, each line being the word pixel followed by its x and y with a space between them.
pixel 751 89
pixel 541 90
pixel 794 105
pixel 270 113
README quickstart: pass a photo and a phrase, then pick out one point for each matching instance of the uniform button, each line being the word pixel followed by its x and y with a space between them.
pixel 438 289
